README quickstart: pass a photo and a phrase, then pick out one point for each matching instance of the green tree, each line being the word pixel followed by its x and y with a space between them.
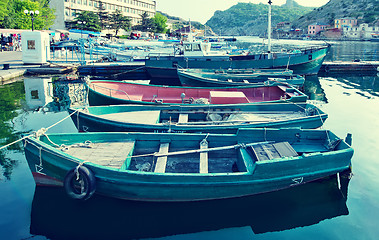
pixel 91 19
pixel 160 23
pixel 3 12
pixel 119 21
pixel 147 24
pixel 102 14
pixel 17 19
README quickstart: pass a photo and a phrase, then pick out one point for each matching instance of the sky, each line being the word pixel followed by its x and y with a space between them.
pixel 203 10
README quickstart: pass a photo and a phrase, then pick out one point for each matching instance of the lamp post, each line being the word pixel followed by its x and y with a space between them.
pixel 82 23
pixel 32 15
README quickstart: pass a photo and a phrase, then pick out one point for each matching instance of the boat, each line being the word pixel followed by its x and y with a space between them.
pixel 197 54
pixel 169 167
pixel 192 118
pixel 103 92
pixel 237 77
pixel 306 61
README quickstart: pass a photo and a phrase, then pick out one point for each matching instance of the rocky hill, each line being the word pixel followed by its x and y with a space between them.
pixel 251 19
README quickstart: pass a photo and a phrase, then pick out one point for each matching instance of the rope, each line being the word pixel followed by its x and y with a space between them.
pixel 39 132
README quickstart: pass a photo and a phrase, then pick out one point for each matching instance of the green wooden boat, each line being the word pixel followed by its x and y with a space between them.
pixel 237 77
pixel 194 118
pixel 102 92
pixel 184 167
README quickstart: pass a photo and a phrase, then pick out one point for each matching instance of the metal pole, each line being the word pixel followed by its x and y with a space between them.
pixel 269 26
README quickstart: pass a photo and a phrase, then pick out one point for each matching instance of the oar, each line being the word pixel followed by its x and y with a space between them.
pixel 209 149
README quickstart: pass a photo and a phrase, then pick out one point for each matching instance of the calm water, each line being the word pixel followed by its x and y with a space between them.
pixel 317 210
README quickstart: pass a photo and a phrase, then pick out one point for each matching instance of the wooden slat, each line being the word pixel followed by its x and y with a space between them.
pixel 108 154
pixel 160 166
pixel 183 118
pixel 204 157
pixel 285 149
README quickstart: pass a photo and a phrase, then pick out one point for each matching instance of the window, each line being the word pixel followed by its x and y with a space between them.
pixel 196 47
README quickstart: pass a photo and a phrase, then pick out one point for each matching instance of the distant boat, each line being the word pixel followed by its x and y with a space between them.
pixel 305 61
pixel 196 54
pixel 194 118
pixel 237 77
pixel 184 167
pixel 103 92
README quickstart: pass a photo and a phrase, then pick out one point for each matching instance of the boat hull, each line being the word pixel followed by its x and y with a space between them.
pixel 259 177
pixel 112 92
pixel 95 119
pixel 192 78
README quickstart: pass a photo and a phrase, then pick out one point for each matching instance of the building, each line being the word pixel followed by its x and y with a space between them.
pixel 66 9
pixel 315 28
pixel 333 33
pixel 363 32
pixel 345 22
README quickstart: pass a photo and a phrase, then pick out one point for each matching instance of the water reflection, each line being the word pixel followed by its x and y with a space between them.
pixel 11 97
pixel 56 216
pixel 312 88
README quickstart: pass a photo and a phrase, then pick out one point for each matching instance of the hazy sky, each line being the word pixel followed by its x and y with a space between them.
pixel 202 10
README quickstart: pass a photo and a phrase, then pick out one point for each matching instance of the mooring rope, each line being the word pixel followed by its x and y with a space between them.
pixel 39 132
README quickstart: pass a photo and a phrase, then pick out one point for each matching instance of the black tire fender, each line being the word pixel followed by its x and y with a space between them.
pixel 86 180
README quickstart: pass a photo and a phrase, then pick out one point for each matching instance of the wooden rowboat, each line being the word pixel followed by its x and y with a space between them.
pixel 194 118
pixel 184 167
pixel 114 92
pixel 237 77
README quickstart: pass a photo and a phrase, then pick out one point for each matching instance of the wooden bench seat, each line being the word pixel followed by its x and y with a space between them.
pixel 204 157
pixel 160 166
pixel 273 151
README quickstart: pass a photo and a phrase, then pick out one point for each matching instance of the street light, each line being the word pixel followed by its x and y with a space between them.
pixel 32 15
pixel 82 23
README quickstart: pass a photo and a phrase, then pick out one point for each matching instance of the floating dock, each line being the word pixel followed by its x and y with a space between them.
pixel 349 67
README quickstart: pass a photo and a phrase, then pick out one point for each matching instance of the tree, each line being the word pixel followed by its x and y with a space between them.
pixel 91 19
pixel 103 15
pixel 147 24
pixel 3 12
pixel 119 21
pixel 160 23
pixel 17 19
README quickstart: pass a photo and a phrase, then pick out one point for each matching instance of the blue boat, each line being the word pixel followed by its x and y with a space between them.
pixel 193 118
pixel 238 77
pixel 168 167
pixel 305 61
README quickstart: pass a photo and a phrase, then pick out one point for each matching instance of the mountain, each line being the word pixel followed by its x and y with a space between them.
pixel 251 19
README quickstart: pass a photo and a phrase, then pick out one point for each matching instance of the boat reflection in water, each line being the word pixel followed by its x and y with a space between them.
pixel 56 216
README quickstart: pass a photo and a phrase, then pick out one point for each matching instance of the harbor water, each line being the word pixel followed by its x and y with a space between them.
pixel 341 207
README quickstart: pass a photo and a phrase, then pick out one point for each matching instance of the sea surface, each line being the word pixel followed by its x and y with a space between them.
pixel 328 209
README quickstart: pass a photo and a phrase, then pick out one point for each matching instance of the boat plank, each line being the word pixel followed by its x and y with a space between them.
pixel 109 154
pixel 204 157
pixel 160 166
pixel 183 118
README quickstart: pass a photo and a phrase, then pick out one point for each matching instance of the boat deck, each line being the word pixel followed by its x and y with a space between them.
pixel 108 154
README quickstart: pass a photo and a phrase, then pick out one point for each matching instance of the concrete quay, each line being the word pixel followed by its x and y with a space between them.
pixel 16 66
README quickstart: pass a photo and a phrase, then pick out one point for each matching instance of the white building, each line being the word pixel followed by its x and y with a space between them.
pixel 363 31
pixel 66 9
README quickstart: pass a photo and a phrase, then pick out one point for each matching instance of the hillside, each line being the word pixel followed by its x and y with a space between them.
pixel 367 11
pixel 251 19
